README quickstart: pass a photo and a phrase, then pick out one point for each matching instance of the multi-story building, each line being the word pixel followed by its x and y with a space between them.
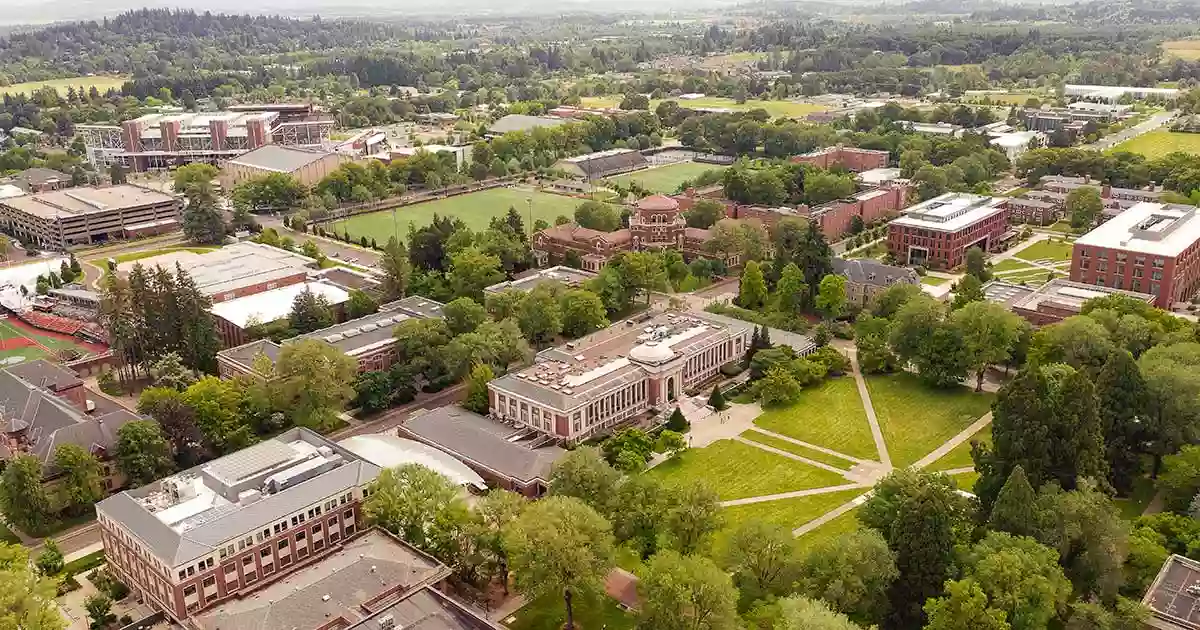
pixel 1113 93
pixel 369 340
pixel 306 166
pixel 836 218
pixel 81 216
pixel 215 532
pixel 1062 184
pixel 850 158
pixel 612 376
pixel 1029 209
pixel 938 232
pixel 866 278
pixel 1150 248
pixel 1052 302
pixel 159 141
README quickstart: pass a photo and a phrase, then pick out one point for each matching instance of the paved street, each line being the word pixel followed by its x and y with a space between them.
pixel 364 257
pixel 1108 142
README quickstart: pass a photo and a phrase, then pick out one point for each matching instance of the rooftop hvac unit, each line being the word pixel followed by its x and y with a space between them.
pixel 387 622
pixel 325 451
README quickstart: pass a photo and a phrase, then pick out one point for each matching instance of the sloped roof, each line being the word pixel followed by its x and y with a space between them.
pixel 280 159
pixel 602 162
pixel 483 441
pixel 873 272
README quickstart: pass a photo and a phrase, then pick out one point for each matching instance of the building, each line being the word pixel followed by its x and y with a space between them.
pixel 159 141
pixel 878 176
pixel 38 179
pixel 1052 302
pixel 1115 194
pixel 233 317
pixel 507 456
pixel 1034 211
pixel 601 164
pixel 850 158
pixel 368 143
pixel 369 340
pixel 46 405
pixel 459 154
pixel 1112 94
pixel 1015 144
pixel 866 278
pixel 836 218
pixel 1112 110
pixel 234 271
pixel 1173 596
pixel 218 531
pixel 935 129
pixel 937 233
pixel 530 280
pixel 616 375
pixel 82 216
pixel 521 122
pixel 307 166
pixel 657 223
pixel 1150 248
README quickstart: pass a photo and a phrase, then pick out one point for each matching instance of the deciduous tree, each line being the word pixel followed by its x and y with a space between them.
pixel 802 613
pixel 26 598
pixel 752 290
pixel 314 381
pixel 585 475
pixel 964 607
pixel 989 333
pixel 82 484
pixel 763 558
pixel 686 593
pixel 23 499
pixel 463 315
pixel 582 312
pixel 142 453
pixel 831 296
pixel 852 573
pixel 421 506
pixel 477 393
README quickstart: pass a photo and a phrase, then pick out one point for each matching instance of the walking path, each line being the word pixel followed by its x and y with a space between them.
pixel 829 516
pixel 778 451
pixel 792 495
pixel 827 451
pixel 953 442
pixel 876 432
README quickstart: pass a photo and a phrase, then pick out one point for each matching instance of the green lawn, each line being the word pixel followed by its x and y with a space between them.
pixel 475 209
pixel 845 523
pixel 966 481
pixel 1132 506
pixel 124 258
pixel 916 419
pixel 739 471
pixel 1032 277
pixel 796 449
pixel 934 281
pixel 549 613
pixel 1158 143
pixel 874 250
pixel 960 456
pixel 1047 250
pixel 666 179
pixel 789 513
pixel 6 535
pixel 1061 226
pixel 1011 264
pixel 101 83
pixel 829 415
pixel 777 109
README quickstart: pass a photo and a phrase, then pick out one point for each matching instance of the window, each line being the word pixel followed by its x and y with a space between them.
pixel 224 554
pixel 265 553
pixel 182 574
pixel 1102 255
pixel 317 528
pixel 348 515
pixel 189 590
pixel 1159 263
pixel 251 576
pixel 248 561
pixel 299 537
pixel 283 545
pixel 318 545
pixel 210 581
pixel 1139 260
pixel 191 571
pixel 1154 288
pixel 1156 275
pixel 1083 252
pixel 230 568
pixel 294 522
pixel 1103 266
pixel 1085 263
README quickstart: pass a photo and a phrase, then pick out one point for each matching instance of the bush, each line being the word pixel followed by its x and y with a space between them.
pixel 66 585
pixel 125 620
pixel 842 330
pixel 732 369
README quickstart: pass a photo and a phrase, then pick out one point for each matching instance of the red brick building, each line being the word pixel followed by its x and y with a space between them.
pixel 871 206
pixel 937 233
pixel 1150 248
pixel 849 158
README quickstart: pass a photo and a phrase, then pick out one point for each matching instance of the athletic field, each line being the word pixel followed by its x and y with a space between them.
pixel 1158 143
pixel 665 179
pixel 20 342
pixel 101 83
pixel 475 209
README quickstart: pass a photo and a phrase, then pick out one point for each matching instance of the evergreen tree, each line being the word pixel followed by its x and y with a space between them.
pixel 717 399
pixel 310 312
pixel 202 220
pixel 752 292
pixel 923 540
pixel 677 422
pixel 1123 404
pixel 1014 511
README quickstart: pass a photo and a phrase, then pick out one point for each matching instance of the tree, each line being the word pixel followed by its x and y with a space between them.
pixel 582 312
pixel 477 392
pixel 373 391
pixel 314 381
pixel 1014 510
pixel 1090 536
pixel 686 593
pixel 692 515
pixel 176 419
pixel 169 371
pixel 1083 205
pixel 360 304
pixel 632 440
pixel 752 290
pixel 202 220
pixel 1020 577
pixel 540 316
pixel 50 560
pixel 976 263
pixel 964 607
pixel 463 315
pixel 802 613
pixel 644 272
pixel 188 176
pixel 852 573
pixel 596 215
pixel 82 484
pixel 560 546
pixel 26 598
pixel 705 213
pixel 968 290
pixel 23 500
pixel 931 181
pixel 638 521
pixel 397 270
pixel 831 295
pixel 421 506
pixel 1173 386
pixel 1179 480
pixel 583 474
pixel 1123 402
pixel 1081 342
pixel 471 271
pixel 778 388
pixel 216 404
pixel 716 400
pixel 989 333
pixel 142 453
pixel 310 312
pixel 763 557
pixel 99 610
pixel 790 291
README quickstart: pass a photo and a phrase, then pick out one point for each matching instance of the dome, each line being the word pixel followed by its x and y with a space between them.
pixel 658 202
pixel 651 352
pixel 390 451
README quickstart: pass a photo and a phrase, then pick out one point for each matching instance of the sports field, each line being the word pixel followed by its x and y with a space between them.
pixel 19 342
pixel 777 109
pixel 1188 49
pixel 1156 144
pixel 101 83
pixel 475 209
pixel 666 179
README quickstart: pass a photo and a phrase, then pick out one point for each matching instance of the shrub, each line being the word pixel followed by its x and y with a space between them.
pixel 732 369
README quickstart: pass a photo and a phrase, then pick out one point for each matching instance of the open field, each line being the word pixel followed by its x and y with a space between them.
pixel 1158 143
pixel 777 109
pixel 1038 277
pixel 739 471
pixel 916 418
pixel 797 449
pixel 549 613
pixel 1010 264
pixel 475 209
pixel 830 415
pixel 1046 250
pixel 789 513
pixel 960 456
pixel 666 179
pixel 1188 49
pixel 845 523
pixel 101 83
pixel 934 281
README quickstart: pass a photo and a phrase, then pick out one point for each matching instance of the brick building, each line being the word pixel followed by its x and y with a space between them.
pixel 1150 248
pixel 1052 302
pixel 306 166
pixel 938 232
pixel 866 278
pixel 617 374
pixel 836 218
pixel 218 531
pixel 850 158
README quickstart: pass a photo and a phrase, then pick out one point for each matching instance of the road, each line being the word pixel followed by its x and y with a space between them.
pixel 365 257
pixel 1155 121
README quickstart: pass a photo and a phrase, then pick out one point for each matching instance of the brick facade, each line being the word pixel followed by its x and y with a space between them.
pixel 850 158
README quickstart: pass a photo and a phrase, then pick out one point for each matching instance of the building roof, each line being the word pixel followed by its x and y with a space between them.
pixel 339 585
pixel 1174 596
pixel 1149 228
pixel 8 191
pixel 426 609
pixel 876 176
pixel 571 375
pixel 280 159
pixel 1016 139
pixel 72 202
pixel 521 122
pixel 510 452
pixel 38 176
pixel 528 281
pixel 602 162
pixel 657 203
pixel 390 451
pixel 1071 296
pixel 273 305
pixel 873 272
pixel 1005 293
pixel 570 232
pixel 1031 203
pixel 192 514
pixel 950 212
pixel 232 267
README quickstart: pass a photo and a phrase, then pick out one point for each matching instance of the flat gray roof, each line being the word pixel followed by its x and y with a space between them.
pixel 494 445
pixel 521 122
pixel 233 266
pixel 1173 598
pixel 280 159
pixel 1148 228
pixel 530 280
pixel 72 202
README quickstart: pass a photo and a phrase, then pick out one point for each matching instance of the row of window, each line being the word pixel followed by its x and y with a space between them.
pixel 1102 254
